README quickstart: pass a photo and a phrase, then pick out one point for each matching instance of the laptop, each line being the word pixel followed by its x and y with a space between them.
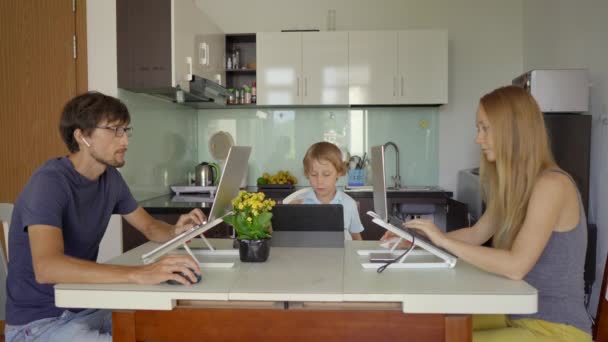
pixel 308 225
pixel 227 189
pixel 381 207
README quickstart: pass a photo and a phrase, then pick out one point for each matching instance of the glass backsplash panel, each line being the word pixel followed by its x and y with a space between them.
pixel 280 137
pixel 163 148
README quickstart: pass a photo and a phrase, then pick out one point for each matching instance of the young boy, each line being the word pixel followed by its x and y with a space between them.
pixel 323 166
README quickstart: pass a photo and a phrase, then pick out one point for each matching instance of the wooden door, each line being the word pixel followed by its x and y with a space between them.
pixel 39 74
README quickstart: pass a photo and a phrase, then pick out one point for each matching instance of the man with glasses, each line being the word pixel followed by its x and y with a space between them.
pixel 60 218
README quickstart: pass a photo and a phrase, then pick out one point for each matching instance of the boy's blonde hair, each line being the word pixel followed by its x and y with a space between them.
pixel 324 151
pixel 522 154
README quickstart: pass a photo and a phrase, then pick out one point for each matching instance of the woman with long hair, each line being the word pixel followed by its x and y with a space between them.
pixel 534 217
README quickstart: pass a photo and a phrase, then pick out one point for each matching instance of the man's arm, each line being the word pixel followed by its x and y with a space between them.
pixel 52 266
pixel 159 231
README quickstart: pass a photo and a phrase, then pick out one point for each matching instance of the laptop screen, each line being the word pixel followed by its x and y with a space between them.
pixel 308 225
pixel 378 182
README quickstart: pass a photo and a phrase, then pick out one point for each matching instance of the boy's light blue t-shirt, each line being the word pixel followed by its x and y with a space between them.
pixel 352 222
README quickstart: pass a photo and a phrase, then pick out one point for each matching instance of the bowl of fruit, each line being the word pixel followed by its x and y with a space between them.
pixel 280 180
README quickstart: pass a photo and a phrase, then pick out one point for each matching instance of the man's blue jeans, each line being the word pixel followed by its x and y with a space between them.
pixel 86 325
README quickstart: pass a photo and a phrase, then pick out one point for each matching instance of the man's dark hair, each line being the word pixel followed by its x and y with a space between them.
pixel 86 111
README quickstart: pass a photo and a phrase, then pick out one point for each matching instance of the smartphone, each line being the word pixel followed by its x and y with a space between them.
pixel 382 257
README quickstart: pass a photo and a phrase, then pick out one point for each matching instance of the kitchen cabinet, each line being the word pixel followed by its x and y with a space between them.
pixel 302 68
pixel 398 67
pixel 161 42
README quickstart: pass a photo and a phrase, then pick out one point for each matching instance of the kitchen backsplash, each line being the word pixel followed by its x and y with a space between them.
pixel 280 137
pixel 163 148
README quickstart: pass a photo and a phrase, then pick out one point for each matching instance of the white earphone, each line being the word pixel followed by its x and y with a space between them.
pixel 86 142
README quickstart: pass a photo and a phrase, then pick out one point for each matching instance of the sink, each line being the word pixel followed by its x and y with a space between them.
pixel 415 188
pixel 409 188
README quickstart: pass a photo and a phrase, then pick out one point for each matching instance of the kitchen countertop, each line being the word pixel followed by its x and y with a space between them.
pixel 166 205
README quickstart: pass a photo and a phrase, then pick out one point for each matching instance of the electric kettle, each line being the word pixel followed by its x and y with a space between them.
pixel 206 174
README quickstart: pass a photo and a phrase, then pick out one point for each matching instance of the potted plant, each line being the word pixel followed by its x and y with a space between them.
pixel 251 221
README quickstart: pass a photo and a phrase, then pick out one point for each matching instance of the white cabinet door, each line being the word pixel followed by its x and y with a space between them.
pixel 372 70
pixel 423 67
pixel 325 68
pixel 279 66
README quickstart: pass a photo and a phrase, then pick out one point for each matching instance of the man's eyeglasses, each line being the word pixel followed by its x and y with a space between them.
pixel 118 131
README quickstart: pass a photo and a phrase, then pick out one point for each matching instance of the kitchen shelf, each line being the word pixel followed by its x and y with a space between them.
pixel 246 43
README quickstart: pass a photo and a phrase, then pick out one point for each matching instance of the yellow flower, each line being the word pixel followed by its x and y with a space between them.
pixel 249 219
pixel 241 206
pixel 255 212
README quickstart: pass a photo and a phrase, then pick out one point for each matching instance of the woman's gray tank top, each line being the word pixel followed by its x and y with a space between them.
pixel 558 276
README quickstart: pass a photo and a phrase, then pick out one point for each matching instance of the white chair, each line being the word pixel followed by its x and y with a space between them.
pixel 6 210
pixel 296 195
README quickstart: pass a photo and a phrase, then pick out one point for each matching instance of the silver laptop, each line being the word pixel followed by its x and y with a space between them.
pixel 227 189
pixel 381 211
pixel 379 182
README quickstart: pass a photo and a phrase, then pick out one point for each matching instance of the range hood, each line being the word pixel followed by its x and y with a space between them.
pixel 203 93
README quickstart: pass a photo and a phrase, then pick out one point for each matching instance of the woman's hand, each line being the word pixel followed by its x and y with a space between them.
pixel 428 228
pixel 187 221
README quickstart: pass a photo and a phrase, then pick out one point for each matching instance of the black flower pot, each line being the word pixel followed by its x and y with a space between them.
pixel 254 250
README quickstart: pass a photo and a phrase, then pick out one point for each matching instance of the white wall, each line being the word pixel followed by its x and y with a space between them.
pixel 485 49
pixel 101 46
pixel 571 34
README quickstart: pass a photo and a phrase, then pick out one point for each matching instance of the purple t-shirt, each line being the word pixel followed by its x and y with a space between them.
pixel 57 195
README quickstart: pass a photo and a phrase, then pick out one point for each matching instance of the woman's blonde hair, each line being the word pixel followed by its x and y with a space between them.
pixel 324 151
pixel 522 153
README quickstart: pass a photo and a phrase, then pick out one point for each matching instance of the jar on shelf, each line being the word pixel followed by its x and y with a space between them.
pixel 231 96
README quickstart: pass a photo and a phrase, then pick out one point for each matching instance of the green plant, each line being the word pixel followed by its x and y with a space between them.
pixel 251 216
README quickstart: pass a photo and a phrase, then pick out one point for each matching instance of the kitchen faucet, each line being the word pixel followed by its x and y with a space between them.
pixel 396 177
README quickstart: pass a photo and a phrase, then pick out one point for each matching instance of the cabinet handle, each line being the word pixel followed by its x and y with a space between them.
pixel 401 85
pixel 298 87
pixel 394 85
pixel 305 86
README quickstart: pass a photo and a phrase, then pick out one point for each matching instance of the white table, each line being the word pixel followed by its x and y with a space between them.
pixel 325 287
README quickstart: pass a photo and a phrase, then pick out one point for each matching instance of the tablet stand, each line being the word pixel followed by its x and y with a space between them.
pixel 446 260
pixel 181 241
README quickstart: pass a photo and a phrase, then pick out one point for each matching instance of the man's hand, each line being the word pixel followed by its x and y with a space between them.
pixel 187 221
pixel 164 268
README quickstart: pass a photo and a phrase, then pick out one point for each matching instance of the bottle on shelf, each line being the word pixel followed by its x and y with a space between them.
pixel 254 93
pixel 247 91
pixel 229 63
pixel 179 95
pixel 236 60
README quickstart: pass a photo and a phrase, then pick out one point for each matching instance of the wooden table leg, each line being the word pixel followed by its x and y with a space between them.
pixel 458 328
pixel 123 326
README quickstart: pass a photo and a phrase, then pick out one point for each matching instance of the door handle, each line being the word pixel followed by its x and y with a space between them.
pixel 394 85
pixel 401 85
pixel 298 86
pixel 305 86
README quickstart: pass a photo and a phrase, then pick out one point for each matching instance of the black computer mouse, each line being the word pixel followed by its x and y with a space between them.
pixel 175 282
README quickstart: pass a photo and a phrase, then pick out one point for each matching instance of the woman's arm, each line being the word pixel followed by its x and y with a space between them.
pixel 478 234
pixel 548 200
